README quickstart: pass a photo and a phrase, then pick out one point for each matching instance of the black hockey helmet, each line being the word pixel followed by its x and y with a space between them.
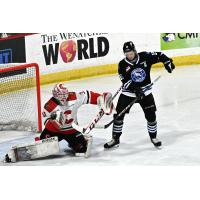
pixel 129 46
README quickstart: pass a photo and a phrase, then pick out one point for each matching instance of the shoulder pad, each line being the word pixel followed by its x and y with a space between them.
pixel 51 104
pixel 144 53
pixel 122 62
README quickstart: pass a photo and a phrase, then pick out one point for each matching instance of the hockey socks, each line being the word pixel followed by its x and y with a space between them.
pixel 117 131
pixel 152 129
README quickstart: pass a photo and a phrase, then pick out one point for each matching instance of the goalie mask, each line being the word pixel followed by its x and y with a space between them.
pixel 60 92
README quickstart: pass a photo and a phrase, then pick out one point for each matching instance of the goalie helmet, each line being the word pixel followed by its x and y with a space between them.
pixel 60 92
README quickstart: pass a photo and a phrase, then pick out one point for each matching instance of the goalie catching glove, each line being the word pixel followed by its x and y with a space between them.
pixel 105 103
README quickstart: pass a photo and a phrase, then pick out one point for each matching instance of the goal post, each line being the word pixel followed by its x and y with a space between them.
pixel 20 97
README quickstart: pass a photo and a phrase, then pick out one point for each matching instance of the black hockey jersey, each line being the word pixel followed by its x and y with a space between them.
pixel 137 73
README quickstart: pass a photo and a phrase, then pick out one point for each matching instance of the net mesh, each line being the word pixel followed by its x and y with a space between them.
pixel 18 98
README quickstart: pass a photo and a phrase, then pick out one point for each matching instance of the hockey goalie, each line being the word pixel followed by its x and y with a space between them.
pixel 59 112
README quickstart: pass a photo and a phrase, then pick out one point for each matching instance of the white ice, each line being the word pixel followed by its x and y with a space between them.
pixel 177 97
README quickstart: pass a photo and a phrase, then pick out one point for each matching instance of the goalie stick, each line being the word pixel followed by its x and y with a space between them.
pixel 92 124
pixel 127 107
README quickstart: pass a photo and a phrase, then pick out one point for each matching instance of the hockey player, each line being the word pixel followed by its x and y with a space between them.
pixel 61 110
pixel 134 72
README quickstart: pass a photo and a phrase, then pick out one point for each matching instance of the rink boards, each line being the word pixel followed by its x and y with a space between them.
pixel 107 70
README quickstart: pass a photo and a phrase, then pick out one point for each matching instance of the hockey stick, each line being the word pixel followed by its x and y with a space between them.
pixel 127 107
pixel 92 124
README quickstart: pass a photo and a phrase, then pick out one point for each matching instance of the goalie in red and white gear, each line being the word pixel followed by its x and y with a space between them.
pixel 61 111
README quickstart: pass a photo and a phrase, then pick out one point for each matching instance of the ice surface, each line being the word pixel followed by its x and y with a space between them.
pixel 177 97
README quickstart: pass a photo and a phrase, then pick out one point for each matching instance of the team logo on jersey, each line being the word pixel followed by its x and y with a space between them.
pixel 138 75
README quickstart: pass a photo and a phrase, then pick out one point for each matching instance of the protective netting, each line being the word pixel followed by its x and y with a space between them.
pixel 18 98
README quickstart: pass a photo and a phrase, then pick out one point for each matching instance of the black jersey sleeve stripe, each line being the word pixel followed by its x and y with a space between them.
pixel 88 97
pixel 56 101
pixel 46 121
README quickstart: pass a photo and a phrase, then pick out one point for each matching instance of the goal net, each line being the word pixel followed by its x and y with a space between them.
pixel 20 102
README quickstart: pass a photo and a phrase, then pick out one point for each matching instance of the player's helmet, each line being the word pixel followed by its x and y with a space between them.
pixel 60 92
pixel 129 46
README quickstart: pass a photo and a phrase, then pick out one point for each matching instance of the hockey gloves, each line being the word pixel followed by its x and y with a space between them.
pixel 169 65
pixel 137 90
pixel 58 119
pixel 139 94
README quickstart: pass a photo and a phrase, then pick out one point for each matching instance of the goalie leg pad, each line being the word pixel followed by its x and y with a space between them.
pixel 89 145
pixel 39 149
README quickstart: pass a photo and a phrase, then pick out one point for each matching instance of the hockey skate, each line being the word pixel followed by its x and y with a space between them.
pixel 112 143
pixel 157 143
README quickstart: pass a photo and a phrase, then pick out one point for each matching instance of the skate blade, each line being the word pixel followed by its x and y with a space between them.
pixel 79 154
pixel 159 147
pixel 112 148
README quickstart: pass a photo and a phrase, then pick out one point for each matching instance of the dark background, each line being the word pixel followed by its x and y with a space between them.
pixel 18 48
